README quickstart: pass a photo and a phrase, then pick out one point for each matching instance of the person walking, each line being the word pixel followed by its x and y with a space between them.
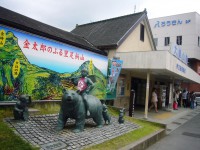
pixel 176 99
pixel 154 100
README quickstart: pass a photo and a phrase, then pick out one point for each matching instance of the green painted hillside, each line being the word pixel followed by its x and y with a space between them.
pixel 40 83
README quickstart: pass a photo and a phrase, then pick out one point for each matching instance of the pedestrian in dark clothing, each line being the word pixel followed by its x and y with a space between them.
pixel 192 98
pixel 184 97
pixel 188 99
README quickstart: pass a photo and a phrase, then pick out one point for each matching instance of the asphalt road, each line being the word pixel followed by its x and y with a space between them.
pixel 186 137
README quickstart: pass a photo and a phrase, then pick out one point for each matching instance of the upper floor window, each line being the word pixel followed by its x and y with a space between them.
pixel 142 32
pixel 179 40
pixel 121 86
pixel 156 41
pixel 167 41
pixel 199 41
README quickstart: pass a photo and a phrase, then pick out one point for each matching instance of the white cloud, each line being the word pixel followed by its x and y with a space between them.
pixel 65 14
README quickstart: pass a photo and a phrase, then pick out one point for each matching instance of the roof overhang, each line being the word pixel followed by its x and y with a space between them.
pixel 162 64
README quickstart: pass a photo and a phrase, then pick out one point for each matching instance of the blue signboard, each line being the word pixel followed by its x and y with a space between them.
pixel 168 23
pixel 178 53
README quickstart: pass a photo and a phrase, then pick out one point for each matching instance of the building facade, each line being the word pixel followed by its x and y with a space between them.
pixel 130 39
pixel 183 32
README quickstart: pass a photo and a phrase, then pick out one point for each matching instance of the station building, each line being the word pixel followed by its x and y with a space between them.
pixel 130 38
pixel 180 32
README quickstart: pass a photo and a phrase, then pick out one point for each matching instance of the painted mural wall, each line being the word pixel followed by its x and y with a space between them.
pixel 41 67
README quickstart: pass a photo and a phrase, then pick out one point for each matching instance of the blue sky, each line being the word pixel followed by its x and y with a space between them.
pixel 56 62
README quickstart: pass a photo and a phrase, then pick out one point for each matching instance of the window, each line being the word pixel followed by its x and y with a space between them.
pixel 121 87
pixel 142 32
pixel 199 41
pixel 179 40
pixel 156 41
pixel 167 41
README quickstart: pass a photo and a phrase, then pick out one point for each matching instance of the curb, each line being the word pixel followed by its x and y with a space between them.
pixel 145 142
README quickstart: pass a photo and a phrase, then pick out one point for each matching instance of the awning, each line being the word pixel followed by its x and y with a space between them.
pixel 162 64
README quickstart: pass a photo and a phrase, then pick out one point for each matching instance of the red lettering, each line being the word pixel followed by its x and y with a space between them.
pixel 60 53
pixel 55 51
pixel 82 57
pixel 77 56
pixel 26 44
pixel 66 53
pixel 43 47
pixel 49 49
pixel 35 46
pixel 71 54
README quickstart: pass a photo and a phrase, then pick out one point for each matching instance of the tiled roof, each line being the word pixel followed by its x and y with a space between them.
pixel 109 33
pixel 15 20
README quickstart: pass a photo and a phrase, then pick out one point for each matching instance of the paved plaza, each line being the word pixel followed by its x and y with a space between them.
pixel 40 131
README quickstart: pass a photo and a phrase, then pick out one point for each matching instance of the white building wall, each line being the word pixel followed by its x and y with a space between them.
pixel 189 32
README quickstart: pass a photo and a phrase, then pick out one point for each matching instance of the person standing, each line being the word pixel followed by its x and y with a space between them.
pixel 184 97
pixel 176 99
pixel 180 103
pixel 192 100
pixel 188 99
pixel 154 100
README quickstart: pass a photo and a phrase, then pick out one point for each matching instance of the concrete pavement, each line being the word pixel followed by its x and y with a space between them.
pixel 171 118
pixel 187 136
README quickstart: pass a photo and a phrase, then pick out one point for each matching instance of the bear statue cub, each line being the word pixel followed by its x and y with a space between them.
pixel 20 111
pixel 72 106
pixel 106 115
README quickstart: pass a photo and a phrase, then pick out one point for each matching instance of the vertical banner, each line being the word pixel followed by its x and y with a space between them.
pixel 114 69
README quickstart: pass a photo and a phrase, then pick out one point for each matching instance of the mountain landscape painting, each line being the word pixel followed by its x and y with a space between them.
pixel 42 68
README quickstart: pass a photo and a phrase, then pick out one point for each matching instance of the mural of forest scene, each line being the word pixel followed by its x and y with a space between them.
pixel 18 76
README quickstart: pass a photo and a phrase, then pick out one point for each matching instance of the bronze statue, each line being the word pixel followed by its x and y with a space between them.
pixel 121 116
pixel 106 116
pixel 20 111
pixel 84 86
pixel 72 106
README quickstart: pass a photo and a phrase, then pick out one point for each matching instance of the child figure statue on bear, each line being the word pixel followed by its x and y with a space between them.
pixel 84 86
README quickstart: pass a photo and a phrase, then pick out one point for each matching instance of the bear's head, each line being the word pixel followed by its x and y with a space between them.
pixel 25 100
pixel 70 96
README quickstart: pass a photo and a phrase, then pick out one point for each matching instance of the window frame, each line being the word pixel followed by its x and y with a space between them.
pixel 121 87
pixel 167 41
pixel 142 32
pixel 155 41
pixel 179 40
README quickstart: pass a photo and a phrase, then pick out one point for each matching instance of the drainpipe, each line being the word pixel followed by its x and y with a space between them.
pixel 147 96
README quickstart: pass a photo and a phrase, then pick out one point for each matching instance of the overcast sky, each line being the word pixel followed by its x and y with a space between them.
pixel 65 14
